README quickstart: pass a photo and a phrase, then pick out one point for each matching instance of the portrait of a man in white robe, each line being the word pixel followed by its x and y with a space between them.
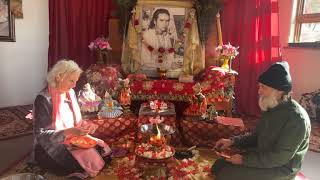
pixel 161 45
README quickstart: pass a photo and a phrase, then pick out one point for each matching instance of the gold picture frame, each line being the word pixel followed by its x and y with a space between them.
pixel 7 31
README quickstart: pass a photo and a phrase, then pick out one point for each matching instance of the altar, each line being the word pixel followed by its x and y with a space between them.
pixel 162 58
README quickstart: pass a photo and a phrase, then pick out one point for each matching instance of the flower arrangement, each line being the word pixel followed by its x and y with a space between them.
pixel 100 44
pixel 227 53
pixel 158 105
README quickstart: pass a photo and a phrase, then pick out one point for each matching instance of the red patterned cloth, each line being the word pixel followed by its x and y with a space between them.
pixel 214 85
pixel 113 130
pixel 205 133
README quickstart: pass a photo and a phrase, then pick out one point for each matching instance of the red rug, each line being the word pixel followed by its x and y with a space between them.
pixel 13 122
pixel 314 145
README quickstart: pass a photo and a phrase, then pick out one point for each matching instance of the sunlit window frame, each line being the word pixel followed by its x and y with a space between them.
pixel 299 20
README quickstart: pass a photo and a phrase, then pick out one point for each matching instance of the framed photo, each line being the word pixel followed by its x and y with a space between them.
pixel 7 32
pixel 163 40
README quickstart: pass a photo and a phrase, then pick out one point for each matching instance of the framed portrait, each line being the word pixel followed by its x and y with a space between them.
pixel 162 43
pixel 7 32
pixel 163 38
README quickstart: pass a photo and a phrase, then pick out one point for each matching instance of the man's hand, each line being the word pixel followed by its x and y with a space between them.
pixel 223 144
pixel 235 159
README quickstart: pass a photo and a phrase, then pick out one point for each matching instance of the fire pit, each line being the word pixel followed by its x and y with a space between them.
pixel 155 147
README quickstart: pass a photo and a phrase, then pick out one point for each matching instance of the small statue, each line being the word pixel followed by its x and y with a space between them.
pixel 125 92
pixel 212 112
pixel 110 108
pixel 88 100
pixel 198 103
pixel 158 105
pixel 156 120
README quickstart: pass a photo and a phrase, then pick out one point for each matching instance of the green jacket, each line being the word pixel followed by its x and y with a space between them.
pixel 281 139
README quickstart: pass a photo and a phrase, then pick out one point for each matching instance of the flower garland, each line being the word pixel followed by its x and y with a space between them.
pixel 162 52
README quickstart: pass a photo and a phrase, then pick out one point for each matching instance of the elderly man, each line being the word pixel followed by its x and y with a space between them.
pixel 276 150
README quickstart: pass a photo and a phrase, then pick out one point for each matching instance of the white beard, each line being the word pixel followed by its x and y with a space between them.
pixel 268 102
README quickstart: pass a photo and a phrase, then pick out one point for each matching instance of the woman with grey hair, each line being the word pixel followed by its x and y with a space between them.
pixel 57 118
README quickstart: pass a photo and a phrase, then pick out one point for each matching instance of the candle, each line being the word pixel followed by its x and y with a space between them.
pixel 219 29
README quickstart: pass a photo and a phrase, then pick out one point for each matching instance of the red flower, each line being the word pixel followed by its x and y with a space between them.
pixel 136 22
pixel 171 50
pixel 150 48
pixel 187 25
pixel 161 50
pixel 160 60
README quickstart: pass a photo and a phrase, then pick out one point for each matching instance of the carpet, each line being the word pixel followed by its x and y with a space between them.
pixel 314 144
pixel 124 168
pixel 13 122
pixel 120 168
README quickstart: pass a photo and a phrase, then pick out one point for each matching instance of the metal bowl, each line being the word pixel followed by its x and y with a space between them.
pixel 152 129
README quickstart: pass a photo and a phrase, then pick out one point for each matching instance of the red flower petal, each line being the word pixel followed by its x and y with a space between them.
pixel 161 50
pixel 187 25
pixel 136 22
pixel 150 48
pixel 171 50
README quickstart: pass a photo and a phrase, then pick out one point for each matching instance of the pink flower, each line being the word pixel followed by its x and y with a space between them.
pixel 100 44
pixel 30 115
pixel 227 50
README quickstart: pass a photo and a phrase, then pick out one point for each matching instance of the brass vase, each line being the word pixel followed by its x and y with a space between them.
pixel 162 73
pixel 99 57
pixel 226 63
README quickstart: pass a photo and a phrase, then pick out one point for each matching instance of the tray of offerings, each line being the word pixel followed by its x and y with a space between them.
pixel 153 152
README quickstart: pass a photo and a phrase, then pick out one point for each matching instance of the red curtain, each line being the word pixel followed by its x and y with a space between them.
pixel 73 24
pixel 253 26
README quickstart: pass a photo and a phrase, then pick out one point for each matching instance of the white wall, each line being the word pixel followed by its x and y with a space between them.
pixel 23 64
pixel 304 63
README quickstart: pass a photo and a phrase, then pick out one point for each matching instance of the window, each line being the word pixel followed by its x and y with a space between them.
pixel 306 28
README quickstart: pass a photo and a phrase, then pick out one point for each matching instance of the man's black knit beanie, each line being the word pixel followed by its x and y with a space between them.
pixel 277 76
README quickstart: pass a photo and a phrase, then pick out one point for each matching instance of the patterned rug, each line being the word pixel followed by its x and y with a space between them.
pixel 122 169
pixel 314 145
pixel 126 168
pixel 13 122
